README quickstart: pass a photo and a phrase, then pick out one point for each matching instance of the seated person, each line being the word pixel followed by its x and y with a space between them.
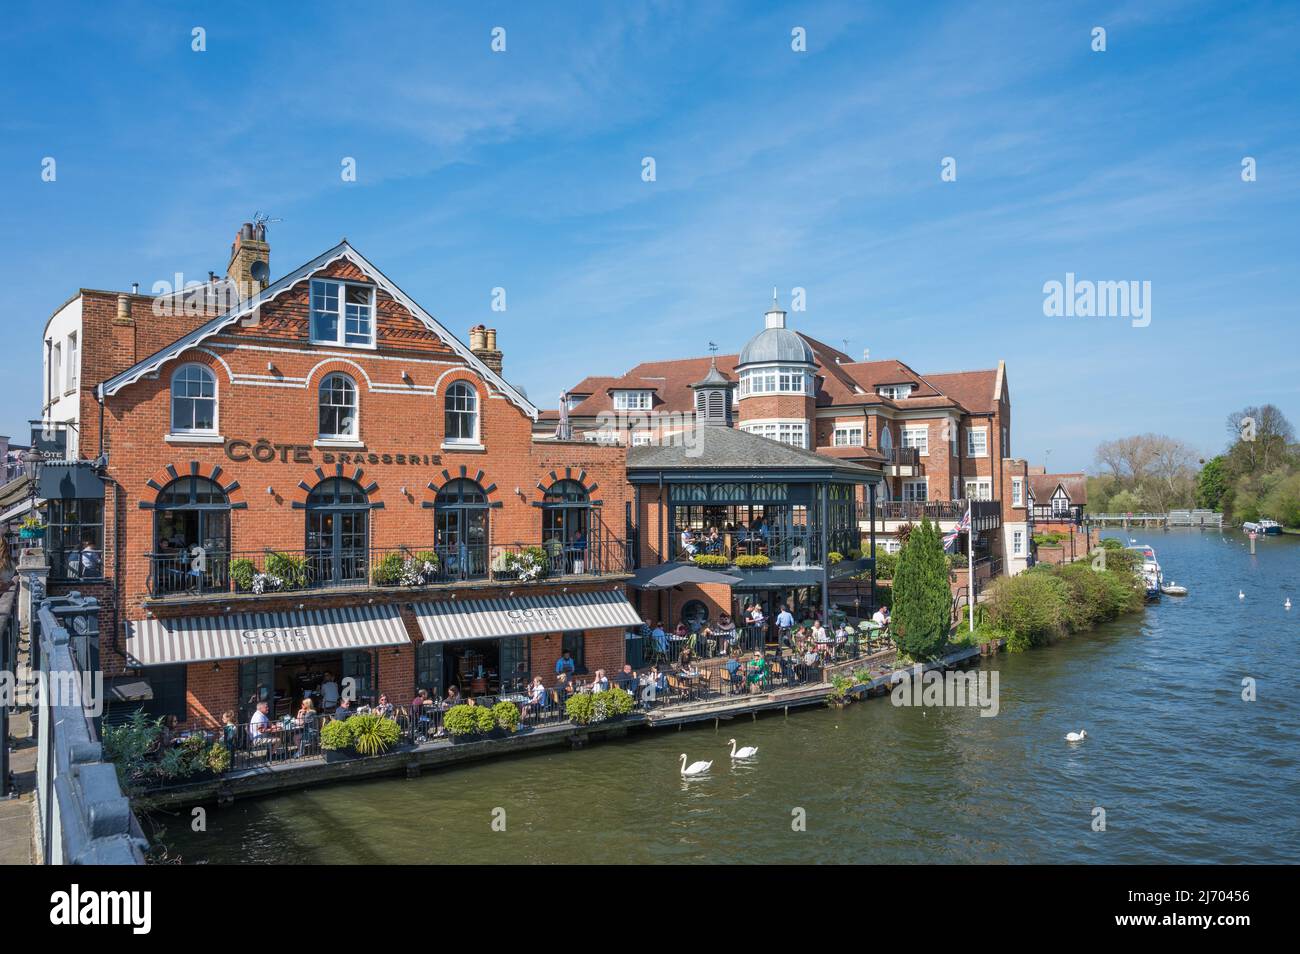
pixel 536 699
pixel 627 678
pixel 91 563
pixel 344 710
pixel 453 698
pixel 881 616
pixel 733 669
pixel 688 542
pixel 259 726
pixel 600 683
pixel 384 707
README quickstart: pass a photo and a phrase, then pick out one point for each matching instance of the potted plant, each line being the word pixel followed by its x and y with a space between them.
pixel 580 708
pixel 336 740
pixel 466 723
pixel 709 559
pixel 219 759
pixel 289 570
pixel 754 561
pixel 613 703
pixel 388 571
pixel 506 714
pixel 420 569
pixel 242 572
pixel 527 564
pixel 31 528
pixel 372 733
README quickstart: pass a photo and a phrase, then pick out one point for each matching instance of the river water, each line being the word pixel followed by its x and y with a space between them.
pixel 1185 770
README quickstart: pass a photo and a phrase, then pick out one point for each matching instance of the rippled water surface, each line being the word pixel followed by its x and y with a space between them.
pixel 1185 770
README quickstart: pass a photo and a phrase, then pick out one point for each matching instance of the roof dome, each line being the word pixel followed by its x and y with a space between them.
pixel 776 344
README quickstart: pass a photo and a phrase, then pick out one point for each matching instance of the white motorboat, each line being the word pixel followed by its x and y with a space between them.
pixel 1264 526
pixel 1152 577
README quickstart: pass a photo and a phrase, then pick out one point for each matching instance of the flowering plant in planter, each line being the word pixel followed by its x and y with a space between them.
pixel 708 559
pixel 31 527
pixel 527 564
pixel 420 569
pixel 753 561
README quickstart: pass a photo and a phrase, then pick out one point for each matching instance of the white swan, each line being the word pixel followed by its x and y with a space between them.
pixel 1076 736
pixel 1287 604
pixel 695 768
pixel 745 752
pixel 1241 594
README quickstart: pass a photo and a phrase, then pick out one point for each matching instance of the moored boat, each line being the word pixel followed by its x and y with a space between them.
pixel 1151 575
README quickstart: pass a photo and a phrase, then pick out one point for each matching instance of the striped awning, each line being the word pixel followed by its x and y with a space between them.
pixel 187 639
pixel 453 620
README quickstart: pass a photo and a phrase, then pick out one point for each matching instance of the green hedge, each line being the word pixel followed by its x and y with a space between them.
pixel 1049 601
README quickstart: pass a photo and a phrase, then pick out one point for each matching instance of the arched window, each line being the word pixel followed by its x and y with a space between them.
pixel 460 513
pixel 565 525
pixel 462 414
pixel 191 537
pixel 194 400
pixel 338 407
pixel 338 523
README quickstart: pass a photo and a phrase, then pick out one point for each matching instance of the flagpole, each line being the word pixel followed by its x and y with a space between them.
pixel 970 565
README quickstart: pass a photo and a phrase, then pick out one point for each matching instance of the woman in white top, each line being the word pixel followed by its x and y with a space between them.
pixel 600 683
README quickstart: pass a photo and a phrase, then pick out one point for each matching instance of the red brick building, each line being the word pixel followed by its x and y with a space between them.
pixel 314 475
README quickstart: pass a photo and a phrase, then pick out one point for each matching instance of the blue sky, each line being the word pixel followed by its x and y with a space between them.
pixel 820 169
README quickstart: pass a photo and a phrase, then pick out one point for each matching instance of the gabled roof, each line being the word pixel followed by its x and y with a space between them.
pixel 1043 486
pixel 342 251
pixel 726 448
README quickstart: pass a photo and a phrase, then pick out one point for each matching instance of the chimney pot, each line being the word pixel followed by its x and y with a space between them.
pixel 123 310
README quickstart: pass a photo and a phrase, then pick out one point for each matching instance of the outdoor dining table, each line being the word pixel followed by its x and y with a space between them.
pixel 517 698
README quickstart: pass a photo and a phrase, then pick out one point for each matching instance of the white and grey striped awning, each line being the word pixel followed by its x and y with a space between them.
pixel 187 639
pixel 453 620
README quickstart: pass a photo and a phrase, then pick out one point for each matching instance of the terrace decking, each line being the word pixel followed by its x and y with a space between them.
pixel 413 759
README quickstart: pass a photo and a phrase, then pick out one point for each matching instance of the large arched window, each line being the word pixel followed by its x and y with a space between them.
pixel 338 551
pixel 191 537
pixel 565 512
pixel 194 400
pixel 462 414
pixel 460 513
pixel 338 407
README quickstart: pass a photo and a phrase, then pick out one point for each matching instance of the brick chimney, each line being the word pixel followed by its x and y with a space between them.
pixel 483 342
pixel 248 249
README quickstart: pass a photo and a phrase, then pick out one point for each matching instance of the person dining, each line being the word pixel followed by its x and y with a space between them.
pixel 91 563
pixel 601 682
pixel 688 542
pixel 578 551
pixel 881 616
pixel 453 698
pixel 229 731
pixel 713 543
pixel 536 699
pixel 259 727
pixel 726 632
pixel 626 679
pixel 384 707
pixel 344 710
pixel 420 711
pixel 733 670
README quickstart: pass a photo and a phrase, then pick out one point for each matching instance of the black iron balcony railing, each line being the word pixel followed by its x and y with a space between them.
pixel 75 564
pixel 270 571
pixel 903 456
pixel 1056 513
pixel 985 513
pixel 782 547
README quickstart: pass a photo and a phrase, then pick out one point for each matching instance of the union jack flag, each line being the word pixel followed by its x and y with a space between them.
pixel 950 538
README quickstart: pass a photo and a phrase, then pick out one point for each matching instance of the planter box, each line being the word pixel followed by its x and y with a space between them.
pixel 340 755
pixel 471 737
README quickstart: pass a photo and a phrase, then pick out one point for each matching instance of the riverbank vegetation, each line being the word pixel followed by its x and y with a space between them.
pixel 1049 601
pixel 1257 475
pixel 922 603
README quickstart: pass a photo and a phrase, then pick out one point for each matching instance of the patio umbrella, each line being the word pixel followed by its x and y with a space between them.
pixel 564 430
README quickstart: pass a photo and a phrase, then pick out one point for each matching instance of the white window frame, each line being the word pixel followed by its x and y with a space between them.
pixel 216 402
pixel 633 400
pixel 983 488
pixel 775 379
pixel 895 391
pixel 340 340
pixel 1017 543
pixel 793 433
pixel 476 409
pixel 56 371
pixel 909 493
pixel 843 435
pixel 71 376
pixel 971 450
pixel 1060 503
pixel 1017 491
pixel 352 436
pixel 923 448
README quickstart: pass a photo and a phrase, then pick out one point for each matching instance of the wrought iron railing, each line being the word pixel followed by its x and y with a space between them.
pixel 1052 513
pixel 782 547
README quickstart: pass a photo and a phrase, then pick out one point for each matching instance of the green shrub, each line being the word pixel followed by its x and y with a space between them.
pixel 463 719
pixel 388 571
pixel 528 563
pixel 336 734
pixel 753 561
pixel 372 733
pixel 291 569
pixel 886 565
pixel 922 597
pixel 833 557
pixel 709 559
pixel 580 708
pixel 1031 606
pixel 242 571
pixel 219 758
pixel 614 702
pixel 506 715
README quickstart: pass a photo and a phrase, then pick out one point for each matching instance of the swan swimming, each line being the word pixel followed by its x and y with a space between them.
pixel 745 752
pixel 1241 595
pixel 1076 736
pixel 1287 604
pixel 695 768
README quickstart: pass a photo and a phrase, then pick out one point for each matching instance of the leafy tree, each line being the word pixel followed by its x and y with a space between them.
pixel 1212 483
pixel 922 597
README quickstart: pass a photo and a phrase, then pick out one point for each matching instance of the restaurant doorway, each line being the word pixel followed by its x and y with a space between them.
pixel 283 681
pixel 475 667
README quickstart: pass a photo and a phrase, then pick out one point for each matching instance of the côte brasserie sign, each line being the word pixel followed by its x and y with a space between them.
pixel 264 451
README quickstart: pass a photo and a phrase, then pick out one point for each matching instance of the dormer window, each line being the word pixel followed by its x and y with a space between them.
pixel 632 400
pixel 894 391
pixel 342 314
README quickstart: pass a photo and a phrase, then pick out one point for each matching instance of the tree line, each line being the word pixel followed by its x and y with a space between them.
pixel 1257 475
